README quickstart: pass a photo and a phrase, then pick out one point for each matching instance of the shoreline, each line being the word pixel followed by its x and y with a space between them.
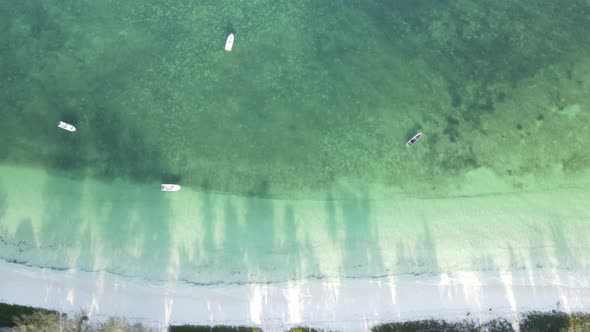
pixel 204 238
pixel 450 259
pixel 342 305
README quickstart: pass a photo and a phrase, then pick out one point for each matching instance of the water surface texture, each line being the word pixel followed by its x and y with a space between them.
pixel 291 148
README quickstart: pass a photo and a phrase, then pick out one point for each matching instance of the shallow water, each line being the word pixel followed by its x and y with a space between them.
pixel 290 148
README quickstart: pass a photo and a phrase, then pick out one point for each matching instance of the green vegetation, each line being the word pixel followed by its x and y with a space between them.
pixel 116 324
pixel 9 312
pixel 40 321
pixel 499 325
pixel 28 319
pixel 218 328
pixel 555 322
pixel 531 322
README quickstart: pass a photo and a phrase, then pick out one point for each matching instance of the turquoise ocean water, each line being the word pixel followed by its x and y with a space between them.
pixel 291 148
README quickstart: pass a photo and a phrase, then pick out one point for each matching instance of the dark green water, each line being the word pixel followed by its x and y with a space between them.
pixel 314 92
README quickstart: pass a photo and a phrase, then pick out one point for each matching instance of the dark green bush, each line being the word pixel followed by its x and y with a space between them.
pixel 555 321
pixel 413 326
pixel 499 325
pixel 534 321
pixel 8 313
pixel 219 328
pixel 544 322
pixel 303 329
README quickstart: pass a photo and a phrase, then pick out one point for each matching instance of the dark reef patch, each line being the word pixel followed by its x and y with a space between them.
pixel 452 129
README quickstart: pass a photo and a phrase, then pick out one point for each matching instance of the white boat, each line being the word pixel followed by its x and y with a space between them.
pixel 66 126
pixel 170 187
pixel 414 139
pixel 229 43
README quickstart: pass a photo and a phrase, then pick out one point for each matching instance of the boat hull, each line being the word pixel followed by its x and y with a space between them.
pixel 170 187
pixel 66 126
pixel 414 139
pixel 229 43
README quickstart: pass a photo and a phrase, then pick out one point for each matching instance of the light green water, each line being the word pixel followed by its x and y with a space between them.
pixel 290 148
pixel 204 238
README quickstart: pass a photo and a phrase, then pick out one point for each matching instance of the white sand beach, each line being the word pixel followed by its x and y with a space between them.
pixel 342 305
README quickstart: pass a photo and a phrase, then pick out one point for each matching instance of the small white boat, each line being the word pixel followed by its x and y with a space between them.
pixel 414 139
pixel 170 187
pixel 229 43
pixel 66 126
